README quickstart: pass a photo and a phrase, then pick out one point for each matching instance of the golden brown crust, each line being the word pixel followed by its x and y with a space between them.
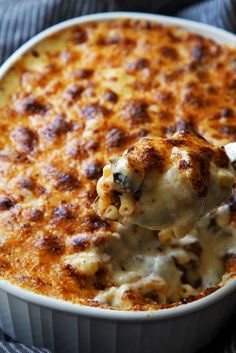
pixel 230 264
pixel 83 95
pixel 155 154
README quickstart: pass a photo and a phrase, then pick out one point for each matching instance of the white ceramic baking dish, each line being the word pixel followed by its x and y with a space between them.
pixel 63 327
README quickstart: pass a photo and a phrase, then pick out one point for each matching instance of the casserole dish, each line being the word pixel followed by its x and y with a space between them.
pixel 66 327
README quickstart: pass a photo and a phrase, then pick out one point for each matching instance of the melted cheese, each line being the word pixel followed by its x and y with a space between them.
pixel 173 182
pixel 139 259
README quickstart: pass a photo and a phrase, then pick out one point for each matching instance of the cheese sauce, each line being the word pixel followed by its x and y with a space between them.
pixel 165 184
pixel 142 264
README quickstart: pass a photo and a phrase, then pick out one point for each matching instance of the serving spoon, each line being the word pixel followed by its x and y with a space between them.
pixel 166 184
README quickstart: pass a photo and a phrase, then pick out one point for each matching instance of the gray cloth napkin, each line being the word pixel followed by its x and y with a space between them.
pixel 21 20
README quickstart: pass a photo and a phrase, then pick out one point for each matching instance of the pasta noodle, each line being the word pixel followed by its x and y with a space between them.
pixel 107 171
pixel 127 205
pixel 102 187
pixel 111 212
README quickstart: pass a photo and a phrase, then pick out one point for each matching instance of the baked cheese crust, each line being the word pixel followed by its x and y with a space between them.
pixel 70 103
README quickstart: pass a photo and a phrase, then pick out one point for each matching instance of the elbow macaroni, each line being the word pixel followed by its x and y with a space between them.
pixel 104 206
pixel 111 212
pixel 126 205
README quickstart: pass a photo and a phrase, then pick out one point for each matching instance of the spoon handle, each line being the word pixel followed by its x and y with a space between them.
pixel 230 150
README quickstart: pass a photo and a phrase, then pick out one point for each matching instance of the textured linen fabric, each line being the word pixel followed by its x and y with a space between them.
pixel 19 348
pixel 22 19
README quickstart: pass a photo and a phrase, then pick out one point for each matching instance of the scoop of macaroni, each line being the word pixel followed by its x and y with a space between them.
pixel 165 184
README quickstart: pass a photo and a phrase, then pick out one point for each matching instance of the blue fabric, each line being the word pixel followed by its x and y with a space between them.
pixel 20 20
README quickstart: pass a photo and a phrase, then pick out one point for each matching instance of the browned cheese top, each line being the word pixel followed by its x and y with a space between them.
pixel 71 102
pixel 156 154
